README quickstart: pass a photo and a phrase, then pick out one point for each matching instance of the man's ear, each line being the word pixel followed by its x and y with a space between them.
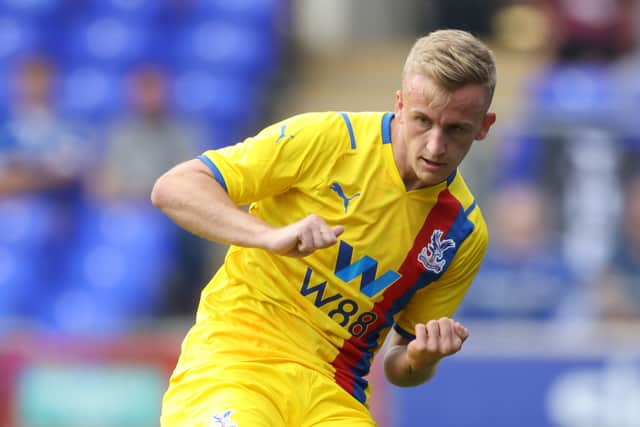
pixel 488 120
pixel 399 104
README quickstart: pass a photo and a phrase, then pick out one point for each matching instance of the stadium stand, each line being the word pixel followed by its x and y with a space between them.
pixel 108 273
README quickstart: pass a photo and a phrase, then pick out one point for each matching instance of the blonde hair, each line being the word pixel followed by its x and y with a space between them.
pixel 452 59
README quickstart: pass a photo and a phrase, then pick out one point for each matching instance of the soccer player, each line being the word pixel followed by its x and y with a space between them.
pixel 359 226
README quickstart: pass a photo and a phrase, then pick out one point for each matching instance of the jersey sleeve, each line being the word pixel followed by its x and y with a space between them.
pixel 276 159
pixel 442 297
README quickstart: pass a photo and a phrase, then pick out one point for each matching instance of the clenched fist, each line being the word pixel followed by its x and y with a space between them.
pixel 303 237
pixel 435 340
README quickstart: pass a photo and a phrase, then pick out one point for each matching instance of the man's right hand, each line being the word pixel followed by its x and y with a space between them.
pixel 303 237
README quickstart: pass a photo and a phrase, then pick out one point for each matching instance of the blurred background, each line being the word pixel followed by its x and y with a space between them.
pixel 100 97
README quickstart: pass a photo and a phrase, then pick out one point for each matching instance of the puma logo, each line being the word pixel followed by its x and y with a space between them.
pixel 338 189
pixel 283 134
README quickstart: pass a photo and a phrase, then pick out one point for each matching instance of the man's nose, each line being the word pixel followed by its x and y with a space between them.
pixel 436 145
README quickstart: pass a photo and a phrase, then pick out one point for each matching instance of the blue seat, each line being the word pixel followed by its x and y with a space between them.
pixel 31 232
pixel 18 38
pixel 127 281
pixel 110 42
pixel 116 268
pixel 142 10
pixel 19 280
pixel 263 13
pixel 214 97
pixel 567 93
pixel 91 93
pixel 627 88
pixel 77 310
pixel 134 224
pixel 27 222
pixel 226 48
pixel 34 10
pixel 6 101
pixel 131 235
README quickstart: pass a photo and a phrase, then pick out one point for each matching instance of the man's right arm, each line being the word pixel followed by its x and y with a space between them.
pixel 190 195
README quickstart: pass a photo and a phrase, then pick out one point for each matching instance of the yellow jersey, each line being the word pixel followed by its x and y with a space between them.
pixel 405 257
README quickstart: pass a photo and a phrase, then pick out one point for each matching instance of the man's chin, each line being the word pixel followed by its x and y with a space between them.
pixel 429 180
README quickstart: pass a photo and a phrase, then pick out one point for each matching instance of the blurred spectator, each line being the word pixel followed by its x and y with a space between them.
pixel 145 142
pixel 579 168
pixel 618 290
pixel 571 142
pixel 590 30
pixel 39 151
pixel 524 275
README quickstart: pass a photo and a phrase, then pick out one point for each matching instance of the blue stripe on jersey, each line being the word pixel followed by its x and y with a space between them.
pixel 451 177
pixel 215 170
pixel 471 208
pixel 350 129
pixel 386 128
pixel 361 385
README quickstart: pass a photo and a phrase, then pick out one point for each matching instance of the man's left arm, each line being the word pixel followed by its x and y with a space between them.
pixel 412 357
pixel 408 363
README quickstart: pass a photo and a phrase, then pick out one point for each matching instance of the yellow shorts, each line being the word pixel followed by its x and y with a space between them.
pixel 260 395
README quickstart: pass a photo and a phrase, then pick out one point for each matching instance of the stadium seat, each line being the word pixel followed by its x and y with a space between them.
pixel 77 311
pixel 627 88
pixel 262 13
pixel 17 38
pixel 140 10
pixel 116 267
pixel 226 48
pixel 110 42
pixel 122 279
pixel 27 222
pixel 18 281
pixel 91 93
pixel 573 92
pixel 124 223
pixel 130 234
pixel 6 104
pixel 221 98
pixel 34 10
pixel 27 227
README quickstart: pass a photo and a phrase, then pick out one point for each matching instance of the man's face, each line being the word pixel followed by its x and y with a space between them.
pixel 434 130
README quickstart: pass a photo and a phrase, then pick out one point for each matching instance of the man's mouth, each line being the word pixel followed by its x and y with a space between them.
pixel 433 163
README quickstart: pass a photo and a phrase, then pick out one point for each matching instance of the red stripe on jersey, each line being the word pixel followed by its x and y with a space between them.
pixel 442 216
